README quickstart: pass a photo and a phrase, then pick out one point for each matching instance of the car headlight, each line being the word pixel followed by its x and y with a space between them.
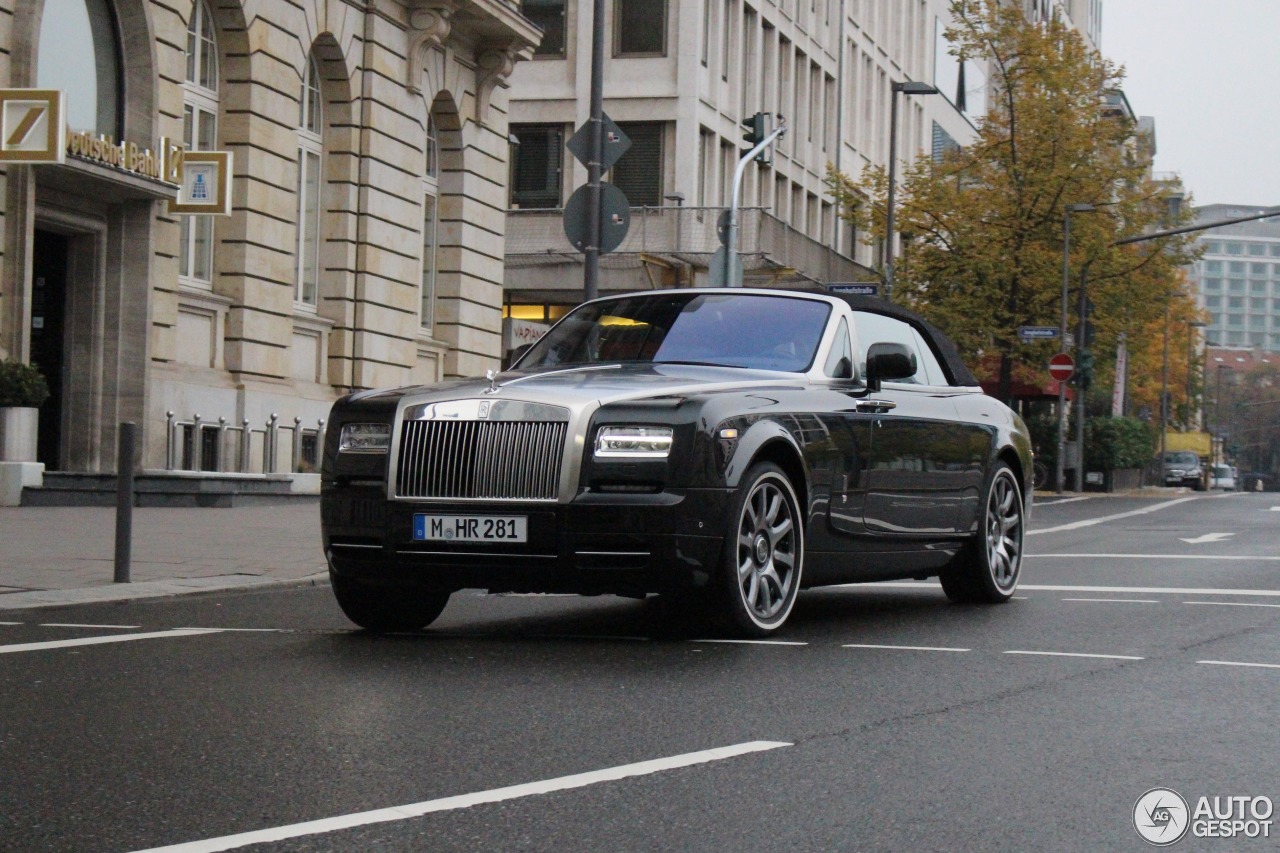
pixel 626 442
pixel 365 438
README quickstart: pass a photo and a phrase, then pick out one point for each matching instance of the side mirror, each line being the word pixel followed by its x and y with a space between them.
pixel 887 362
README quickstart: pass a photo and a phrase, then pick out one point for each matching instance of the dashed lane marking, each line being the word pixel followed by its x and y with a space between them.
pixel 95 641
pixel 904 648
pixel 1074 655
pixel 754 642
pixel 74 625
pixel 495 795
pixel 1240 663
pixel 1117 600
pixel 1232 603
pixel 1210 557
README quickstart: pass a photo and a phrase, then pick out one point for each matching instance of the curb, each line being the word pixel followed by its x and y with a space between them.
pixel 150 590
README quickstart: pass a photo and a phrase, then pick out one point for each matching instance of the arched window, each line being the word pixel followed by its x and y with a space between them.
pixel 79 52
pixel 199 133
pixel 430 218
pixel 310 151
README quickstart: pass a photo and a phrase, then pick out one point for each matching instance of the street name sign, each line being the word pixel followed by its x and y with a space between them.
pixel 1037 333
pixel 855 288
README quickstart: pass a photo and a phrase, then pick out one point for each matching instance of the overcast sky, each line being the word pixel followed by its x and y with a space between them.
pixel 1208 71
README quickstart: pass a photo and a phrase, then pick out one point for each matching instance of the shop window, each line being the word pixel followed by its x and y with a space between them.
pixel 310 153
pixel 199 133
pixel 640 28
pixel 638 173
pixel 535 165
pixel 79 52
pixel 549 16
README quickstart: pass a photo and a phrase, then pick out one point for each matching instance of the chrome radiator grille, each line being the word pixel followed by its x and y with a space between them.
pixel 514 460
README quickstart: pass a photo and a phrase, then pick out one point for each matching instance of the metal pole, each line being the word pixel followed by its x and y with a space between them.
pixel 893 180
pixel 1164 389
pixel 591 262
pixel 1081 343
pixel 125 458
pixel 731 242
pixel 1059 463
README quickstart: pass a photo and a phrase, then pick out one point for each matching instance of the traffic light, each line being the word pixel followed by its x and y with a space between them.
pixel 1084 369
pixel 757 129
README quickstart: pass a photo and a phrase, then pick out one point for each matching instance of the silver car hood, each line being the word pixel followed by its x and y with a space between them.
pixel 573 395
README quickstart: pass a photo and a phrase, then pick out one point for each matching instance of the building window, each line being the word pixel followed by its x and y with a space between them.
pixel 310 152
pixel 1235 248
pixel 640 28
pixel 79 53
pixel 1257 248
pixel 535 165
pixel 639 171
pixel 430 220
pixel 549 16
pixel 199 133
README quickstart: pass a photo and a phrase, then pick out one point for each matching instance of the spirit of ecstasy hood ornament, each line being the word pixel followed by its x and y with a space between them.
pixel 492 376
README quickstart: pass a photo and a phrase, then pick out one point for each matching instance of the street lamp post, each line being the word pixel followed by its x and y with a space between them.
pixel 907 88
pixel 1217 416
pixel 1059 468
pixel 1192 419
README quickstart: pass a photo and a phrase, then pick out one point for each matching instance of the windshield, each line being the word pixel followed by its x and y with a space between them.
pixel 1182 458
pixel 734 330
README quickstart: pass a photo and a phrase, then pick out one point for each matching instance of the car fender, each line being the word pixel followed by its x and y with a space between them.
pixel 749 445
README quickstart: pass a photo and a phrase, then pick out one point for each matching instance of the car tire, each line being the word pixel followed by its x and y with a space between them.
pixel 387 609
pixel 987 569
pixel 763 553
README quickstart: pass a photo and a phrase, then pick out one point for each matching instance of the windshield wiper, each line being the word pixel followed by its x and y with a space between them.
pixel 697 363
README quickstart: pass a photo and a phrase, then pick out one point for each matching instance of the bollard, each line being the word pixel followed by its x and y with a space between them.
pixel 125 456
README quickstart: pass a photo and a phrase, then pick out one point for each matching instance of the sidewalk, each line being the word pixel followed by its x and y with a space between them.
pixel 66 555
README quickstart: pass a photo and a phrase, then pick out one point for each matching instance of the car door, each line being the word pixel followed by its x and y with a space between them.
pixel 924 460
pixel 848 426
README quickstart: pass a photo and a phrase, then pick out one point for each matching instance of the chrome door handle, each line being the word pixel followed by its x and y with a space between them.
pixel 875 405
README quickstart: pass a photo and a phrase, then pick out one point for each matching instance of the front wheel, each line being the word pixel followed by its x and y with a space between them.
pixel 387 609
pixel 764 552
pixel 987 569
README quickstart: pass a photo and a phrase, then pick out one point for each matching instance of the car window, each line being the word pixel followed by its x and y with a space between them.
pixel 736 330
pixel 840 361
pixel 877 328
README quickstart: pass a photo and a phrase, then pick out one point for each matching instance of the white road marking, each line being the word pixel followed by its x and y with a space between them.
pixel 1089 522
pixel 1232 603
pixel 1224 557
pixel 73 625
pixel 904 648
pixel 1117 600
pixel 1240 663
pixel 1208 537
pixel 11 623
pixel 1131 590
pixel 94 641
pixel 1053 502
pixel 755 642
pixel 1074 655
pixel 496 795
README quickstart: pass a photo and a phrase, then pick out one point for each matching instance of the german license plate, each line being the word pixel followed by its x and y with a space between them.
pixel 470 528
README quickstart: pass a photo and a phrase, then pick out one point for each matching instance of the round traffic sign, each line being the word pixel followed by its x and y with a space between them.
pixel 1061 367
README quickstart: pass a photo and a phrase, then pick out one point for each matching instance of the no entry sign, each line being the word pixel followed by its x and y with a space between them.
pixel 1061 367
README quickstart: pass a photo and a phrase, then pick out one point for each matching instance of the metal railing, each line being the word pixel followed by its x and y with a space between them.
pixel 187 441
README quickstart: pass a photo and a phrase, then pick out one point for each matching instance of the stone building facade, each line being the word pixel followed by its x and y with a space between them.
pixel 365 243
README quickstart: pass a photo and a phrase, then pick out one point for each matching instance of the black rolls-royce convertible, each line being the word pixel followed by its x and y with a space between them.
pixel 726 446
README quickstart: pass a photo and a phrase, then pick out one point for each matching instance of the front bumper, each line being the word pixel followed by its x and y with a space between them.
pixel 627 544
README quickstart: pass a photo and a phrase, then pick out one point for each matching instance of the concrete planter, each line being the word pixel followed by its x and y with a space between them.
pixel 18 433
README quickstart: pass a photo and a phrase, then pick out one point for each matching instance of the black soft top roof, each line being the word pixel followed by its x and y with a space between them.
pixel 957 372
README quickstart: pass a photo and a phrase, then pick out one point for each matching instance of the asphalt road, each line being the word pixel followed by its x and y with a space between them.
pixel 884 718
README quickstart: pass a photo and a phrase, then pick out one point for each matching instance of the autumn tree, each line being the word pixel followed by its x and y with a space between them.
pixel 985 221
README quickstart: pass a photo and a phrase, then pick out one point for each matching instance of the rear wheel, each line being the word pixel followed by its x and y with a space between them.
pixel 987 570
pixel 764 552
pixel 384 609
